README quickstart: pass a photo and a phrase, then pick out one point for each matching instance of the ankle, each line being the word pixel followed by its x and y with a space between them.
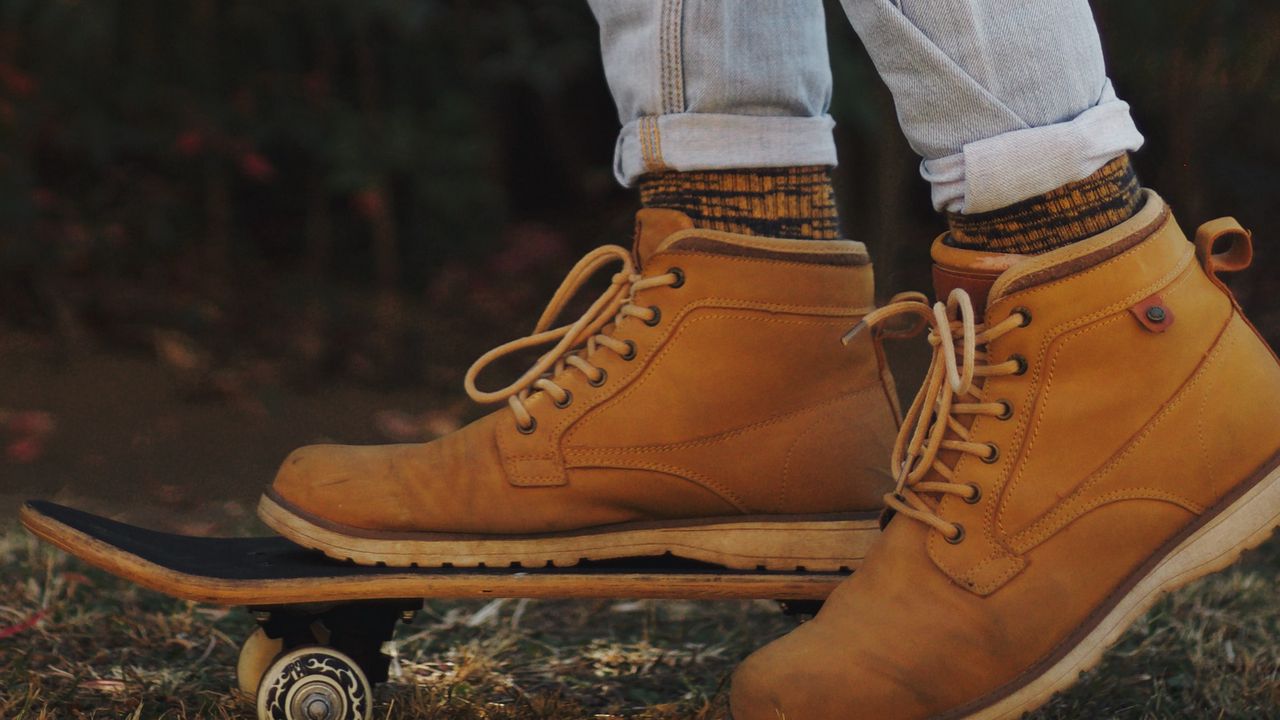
pixel 1059 217
pixel 782 202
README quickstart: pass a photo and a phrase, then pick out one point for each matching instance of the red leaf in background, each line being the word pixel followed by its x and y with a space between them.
pixel 189 143
pixel 256 167
pixel 26 450
pixel 18 83
pixel 43 198
pixel 31 422
pixel 316 86
pixel 370 203
pixel 26 624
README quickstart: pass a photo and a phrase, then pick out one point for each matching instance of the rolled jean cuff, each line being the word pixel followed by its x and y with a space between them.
pixel 707 141
pixel 999 171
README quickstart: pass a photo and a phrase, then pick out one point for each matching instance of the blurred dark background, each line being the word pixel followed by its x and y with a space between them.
pixel 228 227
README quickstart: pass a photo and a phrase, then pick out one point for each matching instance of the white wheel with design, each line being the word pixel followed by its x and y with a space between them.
pixel 256 655
pixel 314 683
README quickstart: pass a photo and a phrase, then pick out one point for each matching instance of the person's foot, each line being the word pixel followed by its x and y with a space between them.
pixel 703 407
pixel 1106 433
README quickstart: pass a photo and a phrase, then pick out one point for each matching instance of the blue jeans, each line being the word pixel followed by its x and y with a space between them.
pixel 1002 100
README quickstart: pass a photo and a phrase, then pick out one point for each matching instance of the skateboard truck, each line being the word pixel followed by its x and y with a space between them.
pixel 319 660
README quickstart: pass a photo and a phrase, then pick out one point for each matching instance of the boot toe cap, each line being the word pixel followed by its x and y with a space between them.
pixel 346 485
pixel 810 673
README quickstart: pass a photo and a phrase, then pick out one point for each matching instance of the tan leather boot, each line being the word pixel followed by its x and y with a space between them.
pixel 703 406
pixel 1107 434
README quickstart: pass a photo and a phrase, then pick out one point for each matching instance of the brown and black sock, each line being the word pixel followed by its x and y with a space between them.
pixel 1059 217
pixel 783 202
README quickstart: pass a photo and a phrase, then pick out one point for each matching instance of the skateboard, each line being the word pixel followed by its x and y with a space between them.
pixel 322 623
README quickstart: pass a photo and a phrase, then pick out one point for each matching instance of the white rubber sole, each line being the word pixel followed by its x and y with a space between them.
pixel 817 545
pixel 1243 525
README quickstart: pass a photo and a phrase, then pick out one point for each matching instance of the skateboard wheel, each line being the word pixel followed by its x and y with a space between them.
pixel 314 683
pixel 256 655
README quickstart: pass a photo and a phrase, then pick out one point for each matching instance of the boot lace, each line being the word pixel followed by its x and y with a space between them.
pixel 576 343
pixel 953 388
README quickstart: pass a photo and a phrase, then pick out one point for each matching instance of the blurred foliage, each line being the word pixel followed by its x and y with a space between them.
pixel 236 180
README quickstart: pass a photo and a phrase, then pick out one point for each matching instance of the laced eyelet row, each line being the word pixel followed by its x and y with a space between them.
pixel 574 344
pixel 956 385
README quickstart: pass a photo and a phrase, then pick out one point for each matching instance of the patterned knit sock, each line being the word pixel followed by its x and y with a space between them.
pixel 1059 217
pixel 781 202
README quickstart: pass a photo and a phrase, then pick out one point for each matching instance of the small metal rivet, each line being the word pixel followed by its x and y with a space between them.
pixel 1025 313
pixel 1156 314
pixel 1006 410
pixel 657 316
pixel 1022 364
pixel 976 497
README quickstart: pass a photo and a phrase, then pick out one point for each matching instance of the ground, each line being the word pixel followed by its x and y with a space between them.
pixel 77 643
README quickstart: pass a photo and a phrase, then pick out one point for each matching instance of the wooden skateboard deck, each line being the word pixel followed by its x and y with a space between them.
pixel 265 571
pixel 323 623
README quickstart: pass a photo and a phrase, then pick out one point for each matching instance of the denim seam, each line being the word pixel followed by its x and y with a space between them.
pixel 671 53
pixel 648 133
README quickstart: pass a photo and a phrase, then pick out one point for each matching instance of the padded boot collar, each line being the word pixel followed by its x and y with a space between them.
pixel 1073 258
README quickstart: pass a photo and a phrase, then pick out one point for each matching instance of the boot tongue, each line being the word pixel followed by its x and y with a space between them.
pixel 975 271
pixel 653 225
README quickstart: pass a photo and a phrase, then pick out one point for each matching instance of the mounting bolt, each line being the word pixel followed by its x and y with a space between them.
pixel 261 616
pixel 1156 314
pixel 407 616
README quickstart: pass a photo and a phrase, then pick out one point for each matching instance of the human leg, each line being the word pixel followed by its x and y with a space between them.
pixel 724 111
pixel 1097 428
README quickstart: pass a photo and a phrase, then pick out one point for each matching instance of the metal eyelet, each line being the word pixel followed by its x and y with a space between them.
pixel 657 316
pixel 1007 412
pixel 630 354
pixel 679 277
pixel 600 380
pixel 1025 313
pixel 1022 364
pixel 528 429
pixel 958 537
pixel 992 456
pixel 568 398
pixel 977 495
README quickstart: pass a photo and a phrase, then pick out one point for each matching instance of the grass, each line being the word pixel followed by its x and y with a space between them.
pixel 105 649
